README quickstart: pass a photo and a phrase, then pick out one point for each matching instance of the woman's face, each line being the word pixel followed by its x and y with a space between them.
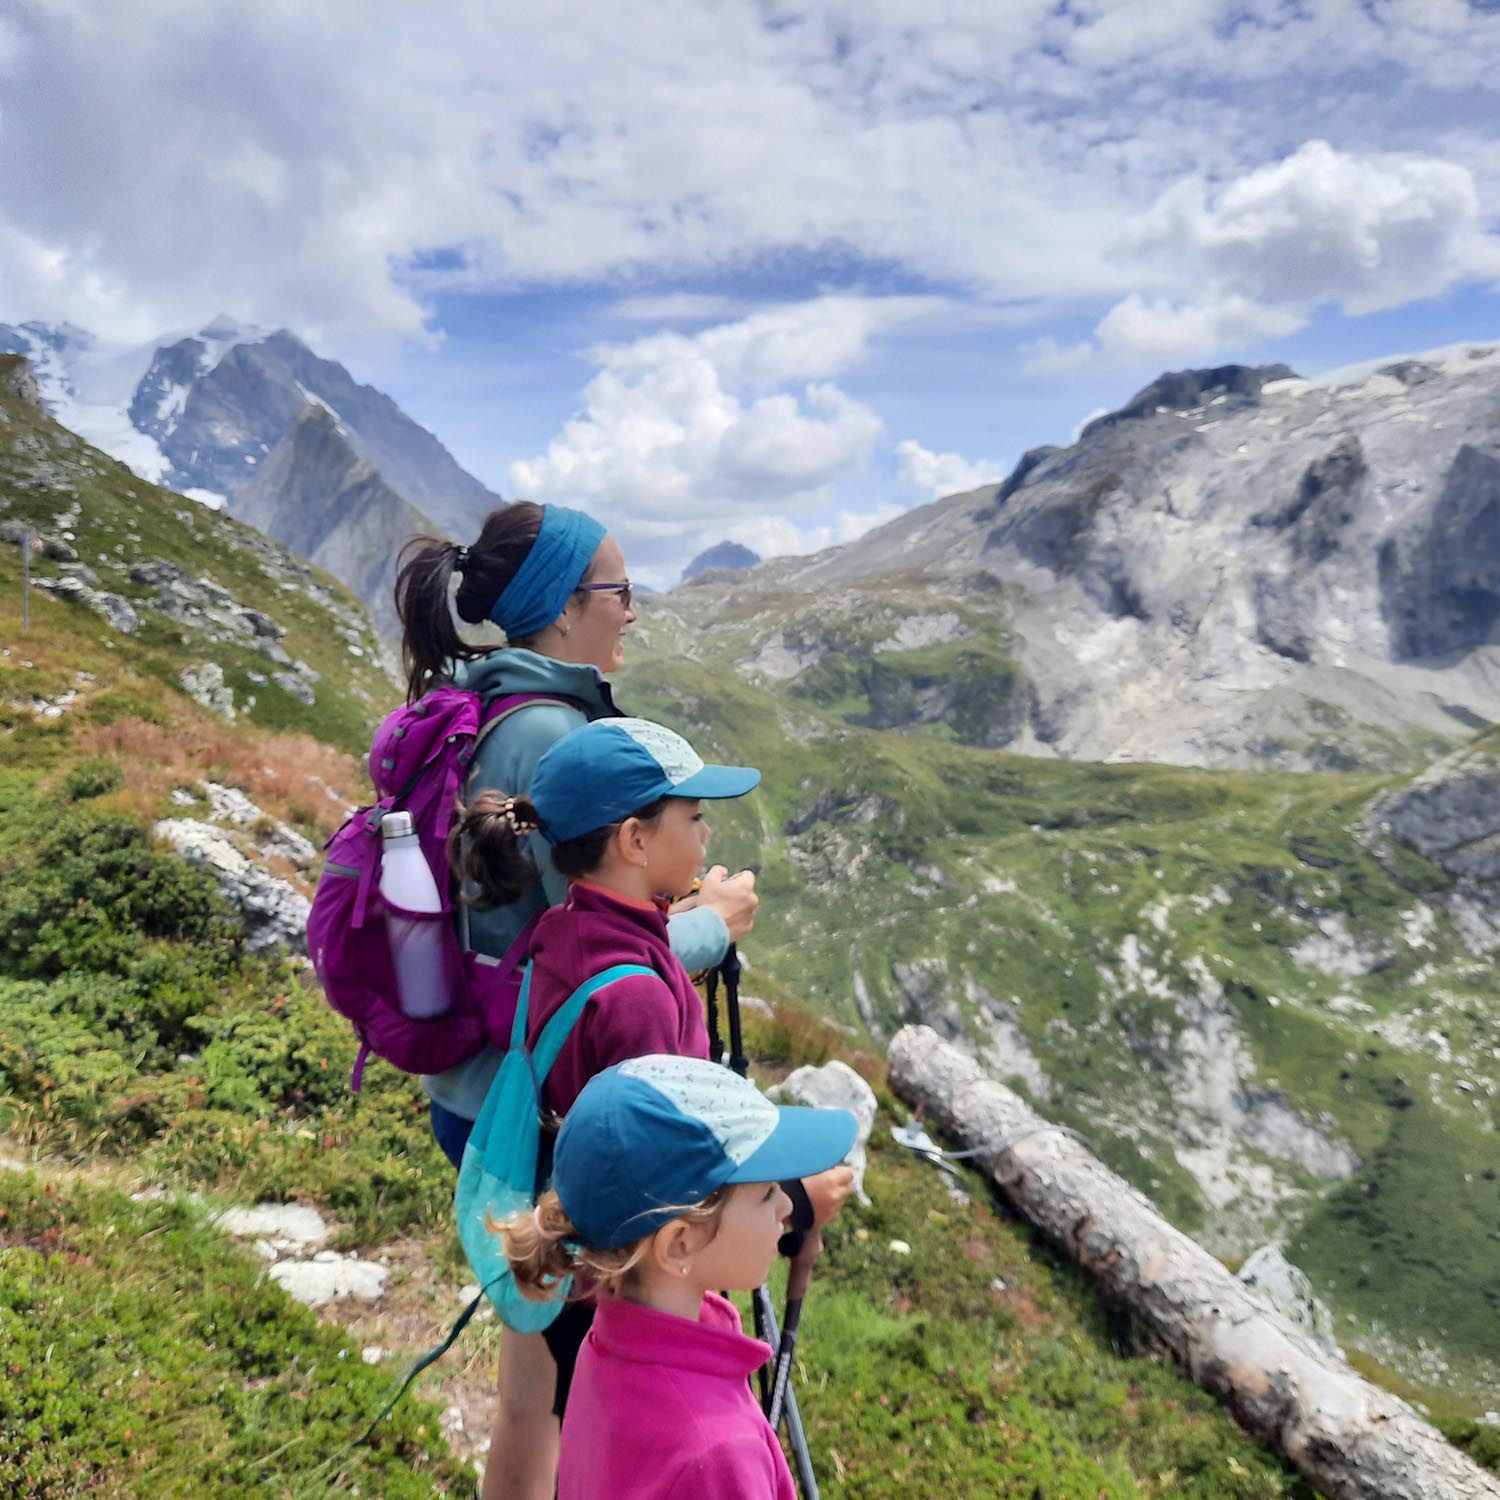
pixel 599 619
pixel 675 846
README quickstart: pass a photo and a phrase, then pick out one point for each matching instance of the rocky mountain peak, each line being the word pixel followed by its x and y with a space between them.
pixel 730 556
pixel 1182 390
pixel 17 377
pixel 316 493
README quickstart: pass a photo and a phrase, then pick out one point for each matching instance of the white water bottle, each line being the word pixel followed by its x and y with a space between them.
pixel 418 950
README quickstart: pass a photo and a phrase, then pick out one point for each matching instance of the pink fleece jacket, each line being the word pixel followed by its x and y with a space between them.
pixel 661 1410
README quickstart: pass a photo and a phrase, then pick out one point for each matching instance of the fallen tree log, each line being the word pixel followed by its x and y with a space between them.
pixel 1351 1439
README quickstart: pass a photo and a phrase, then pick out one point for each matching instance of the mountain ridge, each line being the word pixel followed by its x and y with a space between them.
pixel 1266 578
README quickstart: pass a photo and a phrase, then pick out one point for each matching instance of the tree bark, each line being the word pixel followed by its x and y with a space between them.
pixel 1351 1439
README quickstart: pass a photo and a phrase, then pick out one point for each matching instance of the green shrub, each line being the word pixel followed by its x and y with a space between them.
pixel 92 778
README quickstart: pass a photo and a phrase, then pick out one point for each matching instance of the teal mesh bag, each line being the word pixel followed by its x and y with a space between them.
pixel 497 1177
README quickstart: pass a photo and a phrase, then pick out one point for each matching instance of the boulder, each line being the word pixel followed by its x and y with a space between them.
pixel 205 684
pixel 1274 1279
pixel 835 1085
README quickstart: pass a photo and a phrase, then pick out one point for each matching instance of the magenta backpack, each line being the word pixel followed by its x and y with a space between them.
pixel 418 762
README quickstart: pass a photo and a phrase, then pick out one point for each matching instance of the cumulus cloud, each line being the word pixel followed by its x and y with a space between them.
pixel 730 431
pixel 939 474
pixel 1361 231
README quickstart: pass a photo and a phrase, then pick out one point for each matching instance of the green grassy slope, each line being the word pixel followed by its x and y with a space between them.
pixel 1158 941
pixel 142 1048
pixel 79 496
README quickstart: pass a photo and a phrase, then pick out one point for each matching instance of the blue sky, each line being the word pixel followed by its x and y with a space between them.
pixel 758 270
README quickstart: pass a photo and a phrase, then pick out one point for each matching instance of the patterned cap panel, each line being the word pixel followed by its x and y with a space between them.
pixel 670 751
pixel 741 1118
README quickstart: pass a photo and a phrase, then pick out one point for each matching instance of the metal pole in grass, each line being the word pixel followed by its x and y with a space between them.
pixel 25 580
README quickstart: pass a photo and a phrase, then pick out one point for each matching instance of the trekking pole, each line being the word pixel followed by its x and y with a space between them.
pixel 731 969
pixel 798 1277
pixel 711 994
pixel 806 1480
pixel 766 1326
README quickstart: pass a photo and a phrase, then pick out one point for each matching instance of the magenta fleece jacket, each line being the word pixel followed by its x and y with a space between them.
pixel 661 1410
pixel 591 931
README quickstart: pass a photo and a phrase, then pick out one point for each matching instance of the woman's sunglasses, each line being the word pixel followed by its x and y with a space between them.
pixel 622 589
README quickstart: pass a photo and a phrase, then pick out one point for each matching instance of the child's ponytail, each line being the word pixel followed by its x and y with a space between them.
pixel 541 1247
pixel 485 849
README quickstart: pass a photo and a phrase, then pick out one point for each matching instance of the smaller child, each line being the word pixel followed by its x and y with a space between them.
pixel 665 1187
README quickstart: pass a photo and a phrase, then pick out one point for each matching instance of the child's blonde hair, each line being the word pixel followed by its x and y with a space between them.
pixel 543 1247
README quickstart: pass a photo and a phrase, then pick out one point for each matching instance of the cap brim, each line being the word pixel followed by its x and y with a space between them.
pixel 717 782
pixel 805 1141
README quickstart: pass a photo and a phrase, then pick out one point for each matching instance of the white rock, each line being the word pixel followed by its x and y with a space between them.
pixel 274 914
pixel 293 1224
pixel 899 1247
pixel 372 1354
pixel 835 1085
pixel 315 1282
pixel 1273 1278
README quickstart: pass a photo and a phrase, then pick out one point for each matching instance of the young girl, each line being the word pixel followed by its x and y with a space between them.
pixel 665 1188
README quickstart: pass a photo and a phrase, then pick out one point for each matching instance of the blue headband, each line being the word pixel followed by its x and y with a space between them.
pixel 553 568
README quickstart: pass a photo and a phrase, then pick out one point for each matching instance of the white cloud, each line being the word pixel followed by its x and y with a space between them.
pixel 335 166
pixel 1365 230
pixel 1361 231
pixel 676 307
pixel 736 423
pixel 939 474
pixel 782 536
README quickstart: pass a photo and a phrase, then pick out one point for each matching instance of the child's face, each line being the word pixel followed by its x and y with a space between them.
pixel 738 1257
pixel 675 847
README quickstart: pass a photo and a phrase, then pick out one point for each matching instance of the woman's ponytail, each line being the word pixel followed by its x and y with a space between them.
pixel 484 847
pixel 430 641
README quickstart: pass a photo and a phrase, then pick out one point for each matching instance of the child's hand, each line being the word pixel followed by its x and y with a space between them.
pixel 828 1192
pixel 733 897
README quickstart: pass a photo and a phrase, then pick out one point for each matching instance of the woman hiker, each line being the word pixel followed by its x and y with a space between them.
pixel 555 582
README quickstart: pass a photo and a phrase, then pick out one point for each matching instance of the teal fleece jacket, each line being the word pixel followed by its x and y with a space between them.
pixel 507 761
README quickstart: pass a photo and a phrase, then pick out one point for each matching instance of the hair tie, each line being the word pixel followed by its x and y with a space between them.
pixel 461 560
pixel 518 826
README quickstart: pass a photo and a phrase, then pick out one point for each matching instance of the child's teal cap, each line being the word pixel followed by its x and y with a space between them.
pixel 608 769
pixel 654 1135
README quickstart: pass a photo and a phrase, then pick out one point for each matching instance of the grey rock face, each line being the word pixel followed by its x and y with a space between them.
pixel 233 415
pixel 20 380
pixel 273 913
pixel 1182 390
pixel 1441 577
pixel 1238 568
pixel 318 496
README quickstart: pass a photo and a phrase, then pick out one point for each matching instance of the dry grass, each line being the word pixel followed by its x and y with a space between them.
pixel 291 777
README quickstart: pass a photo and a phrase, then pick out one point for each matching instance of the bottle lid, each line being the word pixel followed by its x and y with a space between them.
pixel 396 825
